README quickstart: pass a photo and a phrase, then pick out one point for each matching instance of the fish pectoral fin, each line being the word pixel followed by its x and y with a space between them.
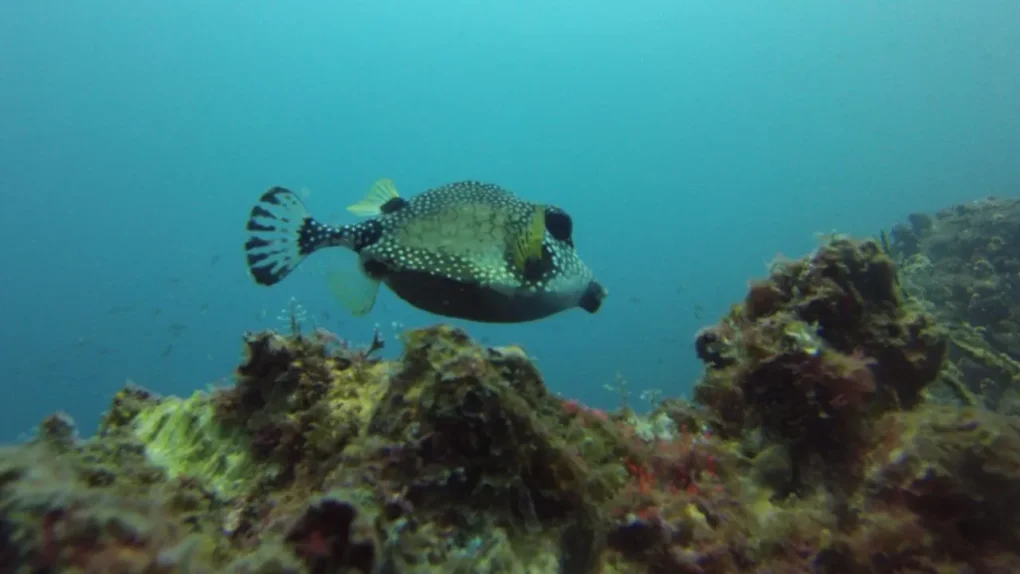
pixel 378 195
pixel 354 290
pixel 527 246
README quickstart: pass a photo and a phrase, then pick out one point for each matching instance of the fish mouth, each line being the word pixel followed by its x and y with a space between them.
pixel 593 296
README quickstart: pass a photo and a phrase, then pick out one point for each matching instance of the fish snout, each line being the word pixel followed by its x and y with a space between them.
pixel 593 296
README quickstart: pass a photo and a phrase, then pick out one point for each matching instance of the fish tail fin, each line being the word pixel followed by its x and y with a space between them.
pixel 355 290
pixel 281 233
pixel 375 201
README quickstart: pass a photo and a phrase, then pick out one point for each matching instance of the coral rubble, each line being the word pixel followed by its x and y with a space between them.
pixel 815 442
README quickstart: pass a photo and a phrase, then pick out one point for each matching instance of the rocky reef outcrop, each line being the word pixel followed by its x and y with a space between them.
pixel 963 264
pixel 824 436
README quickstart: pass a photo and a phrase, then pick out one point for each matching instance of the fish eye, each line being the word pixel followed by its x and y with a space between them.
pixel 559 224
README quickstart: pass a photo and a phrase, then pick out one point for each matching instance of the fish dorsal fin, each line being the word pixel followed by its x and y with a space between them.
pixel 378 195
pixel 527 247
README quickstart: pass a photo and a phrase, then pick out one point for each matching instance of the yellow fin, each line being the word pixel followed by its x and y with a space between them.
pixel 377 196
pixel 528 244
pixel 354 290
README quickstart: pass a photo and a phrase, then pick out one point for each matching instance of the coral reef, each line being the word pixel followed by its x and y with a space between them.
pixel 818 440
pixel 964 263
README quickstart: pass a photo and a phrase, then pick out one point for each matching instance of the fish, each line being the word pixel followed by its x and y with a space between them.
pixel 466 250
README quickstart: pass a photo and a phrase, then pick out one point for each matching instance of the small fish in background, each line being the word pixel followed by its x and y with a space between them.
pixel 698 310
pixel 166 351
pixel 468 250
pixel 215 259
pixel 203 307
pixel 55 364
pixel 120 309
pixel 177 329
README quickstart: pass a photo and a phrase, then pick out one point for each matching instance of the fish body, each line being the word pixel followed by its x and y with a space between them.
pixel 468 250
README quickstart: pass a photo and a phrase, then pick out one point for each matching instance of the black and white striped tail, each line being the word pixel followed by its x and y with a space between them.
pixel 281 233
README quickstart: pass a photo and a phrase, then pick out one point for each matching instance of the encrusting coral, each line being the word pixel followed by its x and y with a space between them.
pixel 812 444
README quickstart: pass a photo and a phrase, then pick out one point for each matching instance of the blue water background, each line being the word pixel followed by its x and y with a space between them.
pixel 691 141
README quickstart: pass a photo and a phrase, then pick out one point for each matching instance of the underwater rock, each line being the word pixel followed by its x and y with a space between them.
pixel 927 463
pixel 963 265
pixel 99 507
pixel 332 536
pixel 812 445
pixel 836 348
